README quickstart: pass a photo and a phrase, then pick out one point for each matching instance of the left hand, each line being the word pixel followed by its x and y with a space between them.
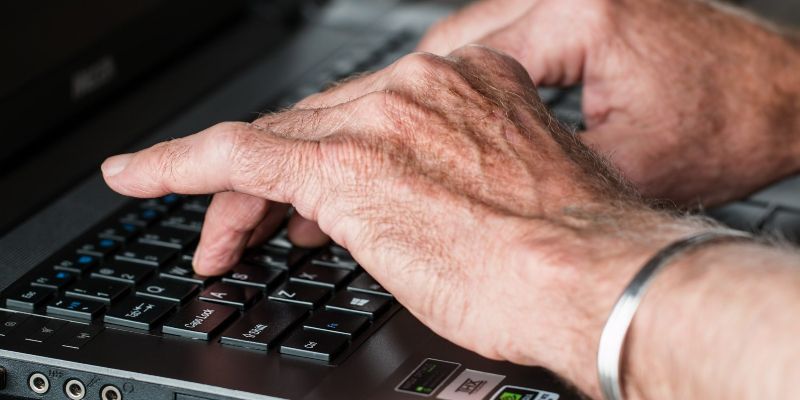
pixel 691 101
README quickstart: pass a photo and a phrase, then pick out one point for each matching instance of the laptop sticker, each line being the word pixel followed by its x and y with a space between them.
pixel 427 377
pixel 471 384
pixel 521 393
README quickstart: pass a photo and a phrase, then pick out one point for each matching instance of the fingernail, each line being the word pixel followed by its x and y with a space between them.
pixel 196 258
pixel 114 165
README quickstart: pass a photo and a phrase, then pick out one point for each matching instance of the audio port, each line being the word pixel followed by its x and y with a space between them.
pixel 110 392
pixel 74 389
pixel 38 383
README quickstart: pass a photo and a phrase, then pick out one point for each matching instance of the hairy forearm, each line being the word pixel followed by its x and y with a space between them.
pixel 719 323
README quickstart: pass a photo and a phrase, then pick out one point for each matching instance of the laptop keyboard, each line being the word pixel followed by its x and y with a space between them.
pixel 133 272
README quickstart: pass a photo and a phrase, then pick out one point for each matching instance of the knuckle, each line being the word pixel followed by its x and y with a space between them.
pixel 483 55
pixel 228 132
pixel 477 51
pixel 419 65
pixel 236 143
pixel 235 139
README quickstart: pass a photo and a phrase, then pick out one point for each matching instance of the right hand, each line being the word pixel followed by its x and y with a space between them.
pixel 453 188
pixel 691 101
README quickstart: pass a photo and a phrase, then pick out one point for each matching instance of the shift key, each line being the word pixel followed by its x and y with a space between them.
pixel 199 320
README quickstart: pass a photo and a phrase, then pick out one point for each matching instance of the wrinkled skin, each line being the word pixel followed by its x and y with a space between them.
pixel 453 175
pixel 692 102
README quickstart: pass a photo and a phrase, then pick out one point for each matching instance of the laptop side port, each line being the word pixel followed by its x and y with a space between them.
pixel 74 389
pixel 38 383
pixel 110 392
pixel 2 378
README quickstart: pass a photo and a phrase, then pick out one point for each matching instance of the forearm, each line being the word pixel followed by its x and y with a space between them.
pixel 764 94
pixel 719 323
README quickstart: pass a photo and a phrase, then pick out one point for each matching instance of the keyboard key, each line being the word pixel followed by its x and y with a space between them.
pixel 367 284
pixel 11 322
pixel 79 264
pixel 28 298
pixel 140 217
pixel 75 336
pixel 784 223
pixel 359 303
pixel 54 279
pixel 320 276
pixel 40 330
pixel 138 313
pixel 121 232
pixel 145 254
pixel 304 295
pixel 98 290
pixel 340 323
pixel 120 271
pixel 168 290
pixel 313 344
pixel 188 254
pixel 267 258
pixel 741 215
pixel 231 295
pixel 75 308
pixel 198 204
pixel 199 320
pixel 183 271
pixel 250 275
pixel 169 237
pixel 336 259
pixel 186 220
pixel 100 248
pixel 162 204
pixel 262 326
pixel 783 193
pixel 280 241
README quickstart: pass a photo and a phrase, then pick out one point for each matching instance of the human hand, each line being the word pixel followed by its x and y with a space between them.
pixel 691 101
pixel 450 183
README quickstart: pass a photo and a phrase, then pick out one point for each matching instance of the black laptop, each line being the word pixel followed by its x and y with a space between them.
pixel 99 300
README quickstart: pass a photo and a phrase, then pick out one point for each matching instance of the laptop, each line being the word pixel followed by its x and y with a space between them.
pixel 98 297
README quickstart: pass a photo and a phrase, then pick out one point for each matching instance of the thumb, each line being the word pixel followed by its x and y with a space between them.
pixel 553 53
pixel 471 23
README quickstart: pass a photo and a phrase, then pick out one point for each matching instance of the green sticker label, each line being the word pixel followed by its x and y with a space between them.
pixel 521 393
pixel 427 377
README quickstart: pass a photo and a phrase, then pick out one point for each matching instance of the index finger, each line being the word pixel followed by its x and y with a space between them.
pixel 230 156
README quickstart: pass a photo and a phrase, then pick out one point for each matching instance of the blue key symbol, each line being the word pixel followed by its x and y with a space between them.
pixel 74 305
pixel 149 214
pixel 170 198
pixel 129 227
pixel 333 325
pixel 84 260
pixel 106 243
pixel 62 275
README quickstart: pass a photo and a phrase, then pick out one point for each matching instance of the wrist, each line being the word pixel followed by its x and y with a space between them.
pixel 781 105
pixel 712 325
pixel 769 82
pixel 586 269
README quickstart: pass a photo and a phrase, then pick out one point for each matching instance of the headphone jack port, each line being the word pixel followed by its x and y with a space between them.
pixel 74 389
pixel 38 383
pixel 110 392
